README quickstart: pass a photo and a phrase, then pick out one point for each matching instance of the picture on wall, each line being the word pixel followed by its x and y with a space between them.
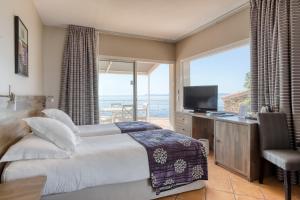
pixel 21 47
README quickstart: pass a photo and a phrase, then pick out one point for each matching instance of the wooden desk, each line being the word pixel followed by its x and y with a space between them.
pixel 234 140
pixel 23 189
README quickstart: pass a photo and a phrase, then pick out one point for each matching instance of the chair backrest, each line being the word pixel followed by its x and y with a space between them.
pixel 142 112
pixel 273 131
pixel 127 112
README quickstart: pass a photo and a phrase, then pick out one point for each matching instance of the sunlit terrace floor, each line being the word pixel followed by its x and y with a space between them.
pixel 162 122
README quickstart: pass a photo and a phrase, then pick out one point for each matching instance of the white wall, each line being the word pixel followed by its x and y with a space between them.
pixel 136 48
pixel 231 30
pixel 53 46
pixel 32 85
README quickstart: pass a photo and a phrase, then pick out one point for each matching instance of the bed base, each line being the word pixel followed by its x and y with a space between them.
pixel 137 190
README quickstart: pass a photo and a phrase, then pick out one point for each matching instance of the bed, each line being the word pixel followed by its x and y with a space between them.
pixel 99 161
pixel 98 129
pixel 102 167
pixel 115 128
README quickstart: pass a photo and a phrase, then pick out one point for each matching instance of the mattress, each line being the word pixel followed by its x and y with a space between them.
pixel 97 161
pixel 98 130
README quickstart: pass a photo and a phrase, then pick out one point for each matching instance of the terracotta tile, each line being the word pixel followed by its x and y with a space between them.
pixel 271 181
pixel 217 172
pixel 273 195
pixel 272 189
pixel 218 183
pixel 218 195
pixel 238 177
pixel 194 195
pixel 296 192
pixel 245 188
pixel 173 197
pixel 210 156
pixel 241 197
pixel 218 178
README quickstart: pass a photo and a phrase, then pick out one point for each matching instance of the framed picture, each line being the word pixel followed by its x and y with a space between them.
pixel 21 47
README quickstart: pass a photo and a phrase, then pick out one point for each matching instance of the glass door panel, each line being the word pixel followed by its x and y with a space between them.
pixel 116 91
pixel 153 104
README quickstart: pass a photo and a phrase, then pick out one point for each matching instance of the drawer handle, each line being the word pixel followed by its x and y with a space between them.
pixel 218 140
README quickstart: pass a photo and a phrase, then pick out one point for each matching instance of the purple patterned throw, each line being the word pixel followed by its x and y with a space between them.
pixel 174 159
pixel 134 126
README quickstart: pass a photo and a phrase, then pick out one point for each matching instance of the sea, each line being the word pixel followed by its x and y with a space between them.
pixel 159 103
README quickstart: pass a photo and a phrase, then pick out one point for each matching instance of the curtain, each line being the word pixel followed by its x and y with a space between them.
pixel 79 76
pixel 275 59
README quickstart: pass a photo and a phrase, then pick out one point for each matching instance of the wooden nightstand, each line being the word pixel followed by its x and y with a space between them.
pixel 23 189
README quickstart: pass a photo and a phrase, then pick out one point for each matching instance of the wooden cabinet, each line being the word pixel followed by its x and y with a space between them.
pixel 233 139
pixel 183 123
pixel 236 148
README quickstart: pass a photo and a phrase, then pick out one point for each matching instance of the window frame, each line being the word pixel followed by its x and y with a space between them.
pixel 186 62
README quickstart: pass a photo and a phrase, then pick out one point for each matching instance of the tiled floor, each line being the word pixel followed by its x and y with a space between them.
pixel 223 185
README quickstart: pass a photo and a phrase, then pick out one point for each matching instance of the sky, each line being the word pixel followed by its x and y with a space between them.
pixel 226 69
pixel 120 84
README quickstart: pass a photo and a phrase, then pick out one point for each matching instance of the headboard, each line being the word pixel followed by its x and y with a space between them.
pixel 12 127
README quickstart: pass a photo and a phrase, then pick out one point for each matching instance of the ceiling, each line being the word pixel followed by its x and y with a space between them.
pixel 120 67
pixel 157 19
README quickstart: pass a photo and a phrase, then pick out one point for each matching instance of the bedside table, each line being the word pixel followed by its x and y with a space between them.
pixel 23 189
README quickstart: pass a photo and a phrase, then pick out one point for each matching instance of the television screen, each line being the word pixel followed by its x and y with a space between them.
pixel 200 98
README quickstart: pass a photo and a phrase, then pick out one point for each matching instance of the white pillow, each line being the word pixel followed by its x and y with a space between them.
pixel 62 117
pixel 54 131
pixel 32 147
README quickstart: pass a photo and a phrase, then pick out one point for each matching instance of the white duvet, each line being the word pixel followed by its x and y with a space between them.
pixel 97 161
pixel 98 130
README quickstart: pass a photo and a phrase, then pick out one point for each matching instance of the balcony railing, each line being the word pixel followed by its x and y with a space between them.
pixel 114 110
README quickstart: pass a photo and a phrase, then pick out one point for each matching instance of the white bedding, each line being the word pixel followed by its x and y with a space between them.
pixel 98 130
pixel 97 161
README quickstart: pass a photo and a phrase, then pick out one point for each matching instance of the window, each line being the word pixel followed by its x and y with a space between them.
pixel 134 91
pixel 230 70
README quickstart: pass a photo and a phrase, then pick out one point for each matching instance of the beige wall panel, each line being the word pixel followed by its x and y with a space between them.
pixel 32 85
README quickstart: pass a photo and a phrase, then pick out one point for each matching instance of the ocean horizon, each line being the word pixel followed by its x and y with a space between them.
pixel 159 103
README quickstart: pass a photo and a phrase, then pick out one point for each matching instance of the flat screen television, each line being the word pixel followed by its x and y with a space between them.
pixel 200 98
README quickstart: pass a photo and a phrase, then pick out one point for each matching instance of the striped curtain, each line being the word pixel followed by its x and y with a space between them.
pixel 79 76
pixel 275 59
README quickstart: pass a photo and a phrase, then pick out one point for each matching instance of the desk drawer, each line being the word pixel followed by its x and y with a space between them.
pixel 183 124
pixel 183 119
pixel 183 130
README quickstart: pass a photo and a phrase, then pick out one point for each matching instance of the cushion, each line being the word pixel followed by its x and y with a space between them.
pixel 285 159
pixel 62 117
pixel 32 147
pixel 54 131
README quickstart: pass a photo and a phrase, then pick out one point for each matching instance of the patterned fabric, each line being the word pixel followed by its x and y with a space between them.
pixel 174 159
pixel 135 126
pixel 275 59
pixel 79 77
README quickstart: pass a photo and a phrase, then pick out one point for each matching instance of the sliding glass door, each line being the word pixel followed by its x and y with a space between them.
pixel 116 91
pixel 134 91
